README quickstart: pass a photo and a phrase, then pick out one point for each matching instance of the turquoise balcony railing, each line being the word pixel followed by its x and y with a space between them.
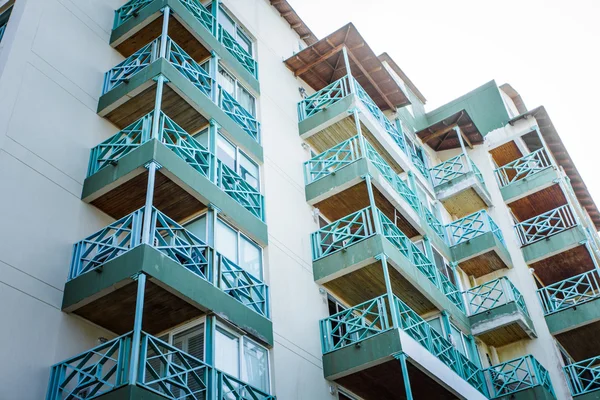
pixel 175 242
pixel 341 88
pixel 545 225
pixel 191 70
pixel 162 369
pixel 570 292
pixel 530 164
pixel 471 226
pixel 516 375
pixel 494 294
pixel 454 168
pixel 584 376
pixel 371 318
pixel 186 147
pixel 133 8
pixel 351 150
pixel 2 30
pixel 360 225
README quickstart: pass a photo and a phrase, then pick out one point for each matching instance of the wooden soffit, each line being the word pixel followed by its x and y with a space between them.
pixel 442 135
pixel 296 23
pixel 562 157
pixel 323 63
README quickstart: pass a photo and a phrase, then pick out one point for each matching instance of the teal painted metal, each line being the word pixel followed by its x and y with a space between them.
pixel 471 226
pixel 332 160
pixel 515 375
pixel 354 324
pixel 137 325
pixel 133 7
pixel 454 168
pixel 163 369
pixel 175 242
pixel 187 148
pixel 191 70
pixel 545 225
pixel 523 167
pixel 494 294
pixel 570 292
pixel 405 377
pixel 2 30
pixel 324 98
pixel 584 376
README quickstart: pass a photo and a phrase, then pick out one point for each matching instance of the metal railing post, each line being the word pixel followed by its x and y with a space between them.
pixel 156 116
pixel 374 210
pixel 402 358
pixel 351 87
pixel 137 330
pixel 147 235
pixel 164 35
pixel 464 150
pixel 389 289
pixel 213 72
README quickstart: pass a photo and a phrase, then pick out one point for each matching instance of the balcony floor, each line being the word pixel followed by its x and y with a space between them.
pixel 502 325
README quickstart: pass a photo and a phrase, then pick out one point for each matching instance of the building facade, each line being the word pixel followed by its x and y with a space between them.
pixel 203 200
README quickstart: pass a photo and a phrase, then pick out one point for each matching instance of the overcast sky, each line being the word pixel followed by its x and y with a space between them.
pixel 549 51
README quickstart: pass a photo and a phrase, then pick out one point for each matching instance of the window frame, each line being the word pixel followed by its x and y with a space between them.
pixel 240 234
pixel 237 26
pixel 238 154
pixel 236 85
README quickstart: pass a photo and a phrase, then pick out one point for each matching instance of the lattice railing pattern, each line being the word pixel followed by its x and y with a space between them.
pixel 332 160
pixel 236 389
pixel 545 225
pixel 188 67
pixel 201 14
pixel 516 375
pixel 243 286
pixel 493 294
pixel 584 376
pixel 449 170
pixel 129 10
pixel 471 226
pixel 324 98
pixel 126 69
pixel 238 52
pixel 239 114
pixel 240 190
pixel 570 292
pixel 523 167
pixel 354 324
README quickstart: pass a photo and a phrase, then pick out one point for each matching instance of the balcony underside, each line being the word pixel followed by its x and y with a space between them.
pixel 370 371
pixel 516 192
pixel 534 393
pixel 576 329
pixel 506 153
pixel 184 28
pixel 174 294
pixel 356 276
pixel 346 192
pixel 502 325
pixel 463 196
pixel 180 191
pixel 481 255
pixel 183 102
pixel 559 257
pixel 538 202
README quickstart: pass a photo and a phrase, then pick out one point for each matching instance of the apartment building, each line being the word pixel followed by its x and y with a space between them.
pixel 203 200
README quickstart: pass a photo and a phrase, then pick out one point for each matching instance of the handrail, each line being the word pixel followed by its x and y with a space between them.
pixel 583 376
pixel 177 243
pixel 472 226
pixel 494 294
pixel 545 225
pixel 163 369
pixel 323 98
pixel 516 375
pixel 570 292
pixel 454 168
pixel 523 167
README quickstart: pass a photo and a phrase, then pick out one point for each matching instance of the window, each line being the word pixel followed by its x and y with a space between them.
pixel 458 339
pixel 239 249
pixel 234 29
pixel 235 159
pixel 232 86
pixel 443 266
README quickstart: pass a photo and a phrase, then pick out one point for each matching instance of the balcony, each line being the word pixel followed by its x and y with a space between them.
pixel 527 175
pixel 335 184
pixel 190 94
pixel 163 372
pixel 583 378
pixel 572 313
pixel 553 243
pixel 187 279
pixel 477 244
pixel 459 185
pixel 346 260
pixel 189 179
pixel 498 313
pixel 520 379
pixel 326 118
pixel 362 342
pixel 189 22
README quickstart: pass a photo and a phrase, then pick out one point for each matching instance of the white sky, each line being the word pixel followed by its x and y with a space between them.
pixel 549 51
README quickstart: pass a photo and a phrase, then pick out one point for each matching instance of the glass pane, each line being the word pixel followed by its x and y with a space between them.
pixel 227 352
pixel 226 241
pixel 226 152
pixel 226 22
pixel 250 257
pixel 249 171
pixel 436 324
pixel 255 365
pixel 457 339
pixel 226 81
pixel 191 341
pixel 244 41
pixel 202 137
pixel 246 100
pixel 198 227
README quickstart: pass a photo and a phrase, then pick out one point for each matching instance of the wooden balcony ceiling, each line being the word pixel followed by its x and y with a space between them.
pixel 538 203
pixel 292 18
pixel 323 63
pixel 563 265
pixel 558 150
pixel 581 343
pixel 385 382
pixel 506 153
pixel 442 135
